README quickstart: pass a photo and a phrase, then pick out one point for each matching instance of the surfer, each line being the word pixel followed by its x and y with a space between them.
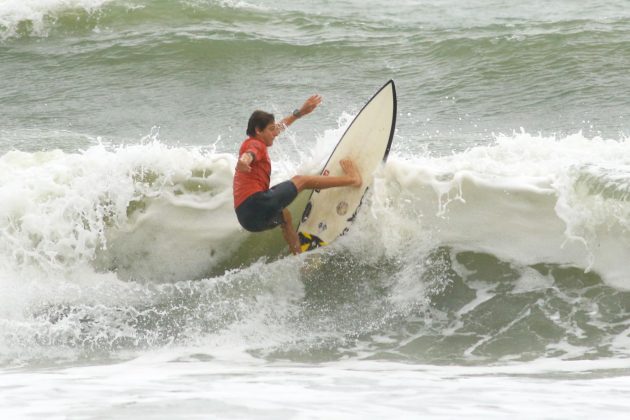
pixel 259 207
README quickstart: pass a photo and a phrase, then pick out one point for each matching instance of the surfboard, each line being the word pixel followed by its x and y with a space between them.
pixel 330 212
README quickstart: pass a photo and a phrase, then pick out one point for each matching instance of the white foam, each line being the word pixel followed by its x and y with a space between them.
pixel 351 389
pixel 531 280
pixel 63 211
pixel 522 199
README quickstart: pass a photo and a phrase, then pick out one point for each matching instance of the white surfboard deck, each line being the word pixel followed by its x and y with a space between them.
pixel 366 142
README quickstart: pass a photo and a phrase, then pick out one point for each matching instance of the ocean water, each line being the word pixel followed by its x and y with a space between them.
pixel 486 275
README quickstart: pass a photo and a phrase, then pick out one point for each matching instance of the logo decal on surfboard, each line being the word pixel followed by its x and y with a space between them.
pixel 342 208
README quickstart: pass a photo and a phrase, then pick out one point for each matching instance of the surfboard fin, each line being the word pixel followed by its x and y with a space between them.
pixel 309 242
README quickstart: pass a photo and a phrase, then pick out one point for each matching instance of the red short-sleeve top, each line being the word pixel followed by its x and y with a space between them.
pixel 248 183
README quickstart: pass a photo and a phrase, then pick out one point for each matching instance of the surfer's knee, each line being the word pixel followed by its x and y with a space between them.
pixel 299 181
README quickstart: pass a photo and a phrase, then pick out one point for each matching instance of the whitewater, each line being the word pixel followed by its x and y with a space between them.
pixel 133 253
pixel 485 275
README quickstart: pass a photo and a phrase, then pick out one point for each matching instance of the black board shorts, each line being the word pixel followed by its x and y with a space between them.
pixel 263 210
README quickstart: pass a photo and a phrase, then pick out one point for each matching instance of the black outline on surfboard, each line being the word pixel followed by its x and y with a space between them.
pixel 304 215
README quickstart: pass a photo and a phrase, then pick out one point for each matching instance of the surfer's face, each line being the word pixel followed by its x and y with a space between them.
pixel 268 134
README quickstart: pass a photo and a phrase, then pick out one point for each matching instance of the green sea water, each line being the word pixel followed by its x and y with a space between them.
pixel 197 68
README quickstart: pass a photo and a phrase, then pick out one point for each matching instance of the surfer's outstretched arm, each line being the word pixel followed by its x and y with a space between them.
pixel 309 105
pixel 289 234
pixel 352 178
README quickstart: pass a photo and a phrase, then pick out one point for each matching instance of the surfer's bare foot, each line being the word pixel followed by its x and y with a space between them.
pixel 351 170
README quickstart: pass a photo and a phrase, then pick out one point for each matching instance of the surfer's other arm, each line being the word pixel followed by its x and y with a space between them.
pixel 244 161
pixel 309 105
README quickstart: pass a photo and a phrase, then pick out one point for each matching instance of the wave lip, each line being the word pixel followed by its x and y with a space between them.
pixel 527 198
pixel 38 18
pixel 34 17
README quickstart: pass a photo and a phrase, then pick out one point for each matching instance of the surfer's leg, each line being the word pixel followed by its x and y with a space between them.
pixel 352 177
pixel 263 210
pixel 289 234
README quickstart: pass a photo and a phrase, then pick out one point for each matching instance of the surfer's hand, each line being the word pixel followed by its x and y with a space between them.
pixel 310 104
pixel 243 164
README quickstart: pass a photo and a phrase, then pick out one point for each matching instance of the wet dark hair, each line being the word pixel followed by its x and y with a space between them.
pixel 259 120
